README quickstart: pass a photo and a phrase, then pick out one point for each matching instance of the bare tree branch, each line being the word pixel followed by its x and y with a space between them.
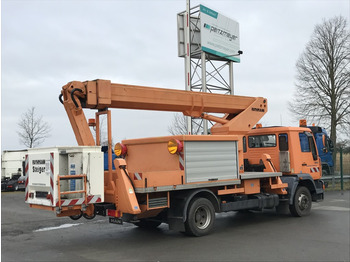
pixel 33 130
pixel 178 125
pixel 323 78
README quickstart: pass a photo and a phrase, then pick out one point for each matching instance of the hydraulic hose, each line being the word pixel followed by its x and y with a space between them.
pixel 126 173
pixel 72 95
pixel 60 98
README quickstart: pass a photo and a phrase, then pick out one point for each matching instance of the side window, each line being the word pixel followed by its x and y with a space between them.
pixel 304 143
pixel 262 141
pixel 244 144
pixel 283 142
pixel 312 145
pixel 307 144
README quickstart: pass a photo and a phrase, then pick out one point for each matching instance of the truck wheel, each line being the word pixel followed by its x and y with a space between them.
pixel 301 203
pixel 200 217
pixel 76 217
pixel 89 217
pixel 147 223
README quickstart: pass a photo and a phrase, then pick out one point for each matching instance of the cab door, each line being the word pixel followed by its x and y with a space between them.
pixel 310 162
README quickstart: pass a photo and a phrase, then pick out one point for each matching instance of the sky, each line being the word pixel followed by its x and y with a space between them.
pixel 47 43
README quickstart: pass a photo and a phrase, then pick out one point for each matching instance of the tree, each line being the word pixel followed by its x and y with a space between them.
pixel 178 125
pixel 32 128
pixel 323 78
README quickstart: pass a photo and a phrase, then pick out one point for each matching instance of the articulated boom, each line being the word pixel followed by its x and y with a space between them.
pixel 241 112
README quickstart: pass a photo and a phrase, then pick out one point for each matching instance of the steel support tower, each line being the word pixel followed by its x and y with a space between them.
pixel 204 72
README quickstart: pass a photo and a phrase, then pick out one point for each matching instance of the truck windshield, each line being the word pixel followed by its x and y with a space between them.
pixel 262 141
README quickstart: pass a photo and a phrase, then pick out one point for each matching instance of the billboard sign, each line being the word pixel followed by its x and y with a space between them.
pixel 219 34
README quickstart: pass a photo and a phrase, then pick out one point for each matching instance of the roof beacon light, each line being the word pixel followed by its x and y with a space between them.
pixel 175 146
pixel 302 122
pixel 120 149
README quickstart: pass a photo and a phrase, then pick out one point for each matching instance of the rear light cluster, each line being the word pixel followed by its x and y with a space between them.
pixel 40 194
pixel 114 213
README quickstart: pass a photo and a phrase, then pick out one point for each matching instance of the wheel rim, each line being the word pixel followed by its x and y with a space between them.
pixel 202 217
pixel 303 202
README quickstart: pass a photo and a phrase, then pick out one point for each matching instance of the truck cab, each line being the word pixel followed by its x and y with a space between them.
pixel 293 152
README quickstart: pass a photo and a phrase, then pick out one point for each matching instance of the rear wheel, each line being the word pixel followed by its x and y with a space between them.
pixel 89 217
pixel 200 217
pixel 76 217
pixel 302 202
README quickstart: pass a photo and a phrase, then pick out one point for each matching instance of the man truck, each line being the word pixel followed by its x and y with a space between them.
pixel 179 180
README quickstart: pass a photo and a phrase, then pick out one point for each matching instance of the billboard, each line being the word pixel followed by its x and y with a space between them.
pixel 219 34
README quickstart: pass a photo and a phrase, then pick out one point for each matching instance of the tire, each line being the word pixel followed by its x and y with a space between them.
pixel 302 202
pixel 147 223
pixel 200 217
pixel 89 217
pixel 325 172
pixel 76 217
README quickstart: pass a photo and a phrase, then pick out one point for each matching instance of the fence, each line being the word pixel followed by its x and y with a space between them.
pixel 340 179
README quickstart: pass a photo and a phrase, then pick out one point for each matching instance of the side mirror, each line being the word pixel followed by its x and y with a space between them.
pixel 331 145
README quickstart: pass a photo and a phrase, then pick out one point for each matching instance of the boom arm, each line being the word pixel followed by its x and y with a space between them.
pixel 241 112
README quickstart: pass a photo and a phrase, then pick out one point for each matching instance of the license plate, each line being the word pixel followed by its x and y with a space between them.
pixel 115 220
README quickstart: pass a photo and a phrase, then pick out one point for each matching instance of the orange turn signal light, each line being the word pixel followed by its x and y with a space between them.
pixel 92 122
pixel 302 123
pixel 175 146
pixel 120 149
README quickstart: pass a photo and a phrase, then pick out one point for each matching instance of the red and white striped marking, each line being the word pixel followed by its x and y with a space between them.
pixel 72 202
pixel 181 160
pixel 138 176
pixel 314 169
pixel 26 169
pixel 51 177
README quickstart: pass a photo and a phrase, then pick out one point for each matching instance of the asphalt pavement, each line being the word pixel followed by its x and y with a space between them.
pixel 37 235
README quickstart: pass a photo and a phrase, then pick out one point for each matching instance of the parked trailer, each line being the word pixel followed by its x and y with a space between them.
pixel 12 163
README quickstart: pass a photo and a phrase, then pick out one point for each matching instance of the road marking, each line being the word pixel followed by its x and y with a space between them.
pixel 332 208
pixel 59 227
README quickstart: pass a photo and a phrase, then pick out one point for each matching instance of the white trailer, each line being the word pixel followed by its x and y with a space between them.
pixel 64 178
pixel 12 162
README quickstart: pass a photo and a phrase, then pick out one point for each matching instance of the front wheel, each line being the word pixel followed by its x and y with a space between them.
pixel 302 202
pixel 200 217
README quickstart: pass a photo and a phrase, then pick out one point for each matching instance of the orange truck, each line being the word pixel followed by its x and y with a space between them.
pixel 179 180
